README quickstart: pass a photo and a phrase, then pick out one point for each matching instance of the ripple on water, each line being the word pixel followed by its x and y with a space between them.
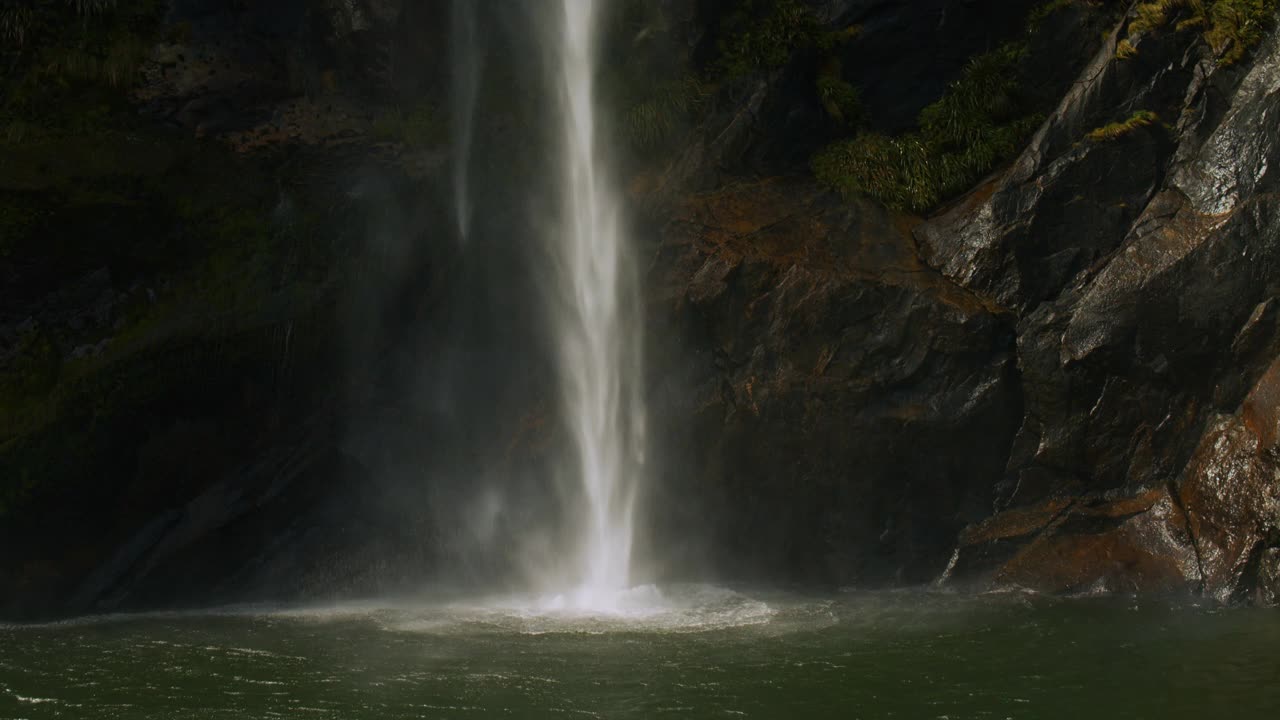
pixel 647 608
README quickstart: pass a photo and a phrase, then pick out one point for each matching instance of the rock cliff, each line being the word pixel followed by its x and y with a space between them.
pixel 1069 366
pixel 1034 343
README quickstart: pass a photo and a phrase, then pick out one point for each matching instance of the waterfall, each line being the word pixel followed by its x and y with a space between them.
pixel 597 324
pixel 465 61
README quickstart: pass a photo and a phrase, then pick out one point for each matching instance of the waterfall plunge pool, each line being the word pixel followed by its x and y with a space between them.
pixel 694 651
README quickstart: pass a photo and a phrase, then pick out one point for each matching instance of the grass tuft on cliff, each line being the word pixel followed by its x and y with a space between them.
pixel 1230 27
pixel 67 60
pixel 1116 130
pixel 977 123
pixel 654 118
pixel 840 99
pixel 661 89
pixel 763 34
pixel 1043 12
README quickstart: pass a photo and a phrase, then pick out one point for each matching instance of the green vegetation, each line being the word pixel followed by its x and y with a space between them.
pixel 840 99
pixel 763 35
pixel 114 59
pixel 419 127
pixel 74 41
pixel 16 22
pixel 1041 13
pixel 31 366
pixel 660 91
pixel 1139 119
pixel 651 78
pixel 982 119
pixel 1235 26
pixel 653 119
pixel 212 258
pixel 68 66
pixel 208 253
pixel 17 219
pixel 1230 27
pixel 979 121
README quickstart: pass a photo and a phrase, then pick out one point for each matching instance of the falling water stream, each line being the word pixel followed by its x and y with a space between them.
pixel 598 333
pixel 588 642
pixel 465 61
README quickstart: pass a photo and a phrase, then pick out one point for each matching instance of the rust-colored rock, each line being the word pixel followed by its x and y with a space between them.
pixel 1231 492
pixel 1132 544
pixel 1261 411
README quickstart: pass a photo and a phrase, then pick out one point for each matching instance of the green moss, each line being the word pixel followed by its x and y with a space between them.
pixel 1139 119
pixel 977 123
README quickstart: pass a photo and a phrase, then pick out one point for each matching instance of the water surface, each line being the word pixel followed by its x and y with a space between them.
pixel 692 652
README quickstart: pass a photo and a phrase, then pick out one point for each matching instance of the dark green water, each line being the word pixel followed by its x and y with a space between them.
pixel 705 654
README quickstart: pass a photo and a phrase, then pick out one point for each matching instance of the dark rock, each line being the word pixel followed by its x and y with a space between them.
pixel 824 356
pixel 907 53
pixel 1127 370
pixel 1268 589
pixel 1068 200
pixel 1131 270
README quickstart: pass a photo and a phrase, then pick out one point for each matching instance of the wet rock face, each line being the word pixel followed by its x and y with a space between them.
pixel 1068 200
pixel 1083 547
pixel 1231 492
pixel 826 359
pixel 1144 338
pixel 1111 295
pixel 1267 593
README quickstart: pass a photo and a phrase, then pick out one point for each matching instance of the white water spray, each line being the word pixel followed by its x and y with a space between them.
pixel 597 321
